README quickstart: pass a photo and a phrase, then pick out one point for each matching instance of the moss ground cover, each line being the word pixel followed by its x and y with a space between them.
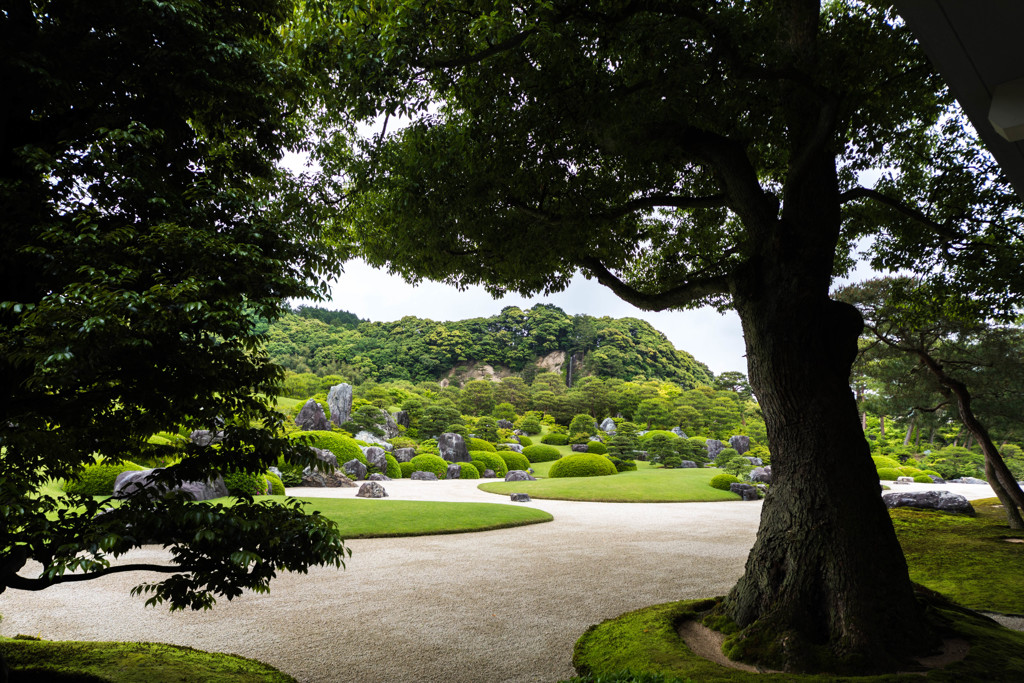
pixel 386 518
pixel 646 485
pixel 966 559
pixel 646 642
pixel 57 661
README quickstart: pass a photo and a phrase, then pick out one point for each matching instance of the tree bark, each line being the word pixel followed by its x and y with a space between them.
pixel 881 428
pixel 910 431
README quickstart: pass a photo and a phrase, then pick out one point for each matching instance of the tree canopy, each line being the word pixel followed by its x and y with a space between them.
pixel 146 229
pixel 702 152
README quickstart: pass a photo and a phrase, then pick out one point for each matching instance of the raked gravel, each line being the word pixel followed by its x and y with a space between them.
pixel 492 606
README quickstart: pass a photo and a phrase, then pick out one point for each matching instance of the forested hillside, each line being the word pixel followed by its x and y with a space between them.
pixel 415 349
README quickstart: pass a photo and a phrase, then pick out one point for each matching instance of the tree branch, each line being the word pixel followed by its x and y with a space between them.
pixel 677 296
pixel 22 583
pixel 475 57
pixel 639 204
pixel 859 193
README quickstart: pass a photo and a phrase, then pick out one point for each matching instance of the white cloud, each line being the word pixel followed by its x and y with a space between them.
pixel 712 338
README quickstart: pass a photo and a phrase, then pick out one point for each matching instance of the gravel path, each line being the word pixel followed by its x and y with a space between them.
pixel 494 606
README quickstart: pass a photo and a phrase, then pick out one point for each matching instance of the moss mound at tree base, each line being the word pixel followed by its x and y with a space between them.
pixel 646 642
pixel 64 661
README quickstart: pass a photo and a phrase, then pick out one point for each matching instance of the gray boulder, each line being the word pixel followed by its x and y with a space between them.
pixel 389 425
pixel 520 497
pixel 144 482
pixel 423 476
pixel 937 479
pixel 488 474
pixel 740 443
pixel 205 437
pixel 375 456
pixel 327 456
pixel 355 469
pixel 746 491
pixel 679 432
pixel 377 476
pixel 312 417
pixel 370 437
pixel 518 448
pixel 967 480
pixel 371 489
pixel 714 448
pixel 518 475
pixel 505 424
pixel 402 418
pixel 608 426
pixel 687 463
pixel 452 447
pixel 454 471
pixel 947 501
pixel 339 402
pixel 756 462
pixel 904 480
pixel 273 470
pixel 404 454
pixel 579 448
pixel 762 475
pixel 332 479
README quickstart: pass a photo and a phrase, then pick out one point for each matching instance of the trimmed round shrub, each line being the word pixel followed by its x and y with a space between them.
pixel 430 463
pixel 889 473
pixel 98 479
pixel 474 444
pixel 525 441
pixel 922 479
pixel 407 469
pixel 582 465
pixel 467 470
pixel 394 471
pixel 491 461
pixel 403 442
pixel 931 472
pixel 626 465
pixel 530 425
pixel 480 466
pixel 909 471
pixel 555 439
pixel 276 485
pixel 245 484
pixel 656 432
pixel 541 453
pixel 514 461
pixel 597 447
pixel 344 448
pixel 722 481
pixel 882 461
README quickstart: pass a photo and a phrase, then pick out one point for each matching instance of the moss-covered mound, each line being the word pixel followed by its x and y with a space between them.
pixel 555 439
pixel 245 484
pixel 491 461
pixel 582 465
pixel 344 448
pixel 597 447
pixel 394 470
pixel 475 444
pixel 882 461
pixel 407 469
pixel 541 453
pixel 889 474
pixel 276 485
pixel 430 463
pixel 514 461
pixel 525 441
pixel 467 470
pixel 658 432
pixel 646 643
pixel 98 479
pixel 722 481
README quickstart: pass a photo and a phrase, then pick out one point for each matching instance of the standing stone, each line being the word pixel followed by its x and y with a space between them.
pixel 452 447
pixel 714 448
pixel 371 489
pixel 402 418
pixel 355 469
pixel 746 491
pixel 339 401
pixel 679 432
pixel 505 424
pixel 389 425
pixel 327 456
pixel 454 471
pixel 375 456
pixel 740 443
pixel 423 476
pixel 312 417
pixel 762 475
pixel 404 454
pixel 608 426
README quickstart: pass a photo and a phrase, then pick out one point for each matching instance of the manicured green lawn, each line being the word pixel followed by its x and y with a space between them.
pixel 56 661
pixel 966 559
pixel 359 518
pixel 646 485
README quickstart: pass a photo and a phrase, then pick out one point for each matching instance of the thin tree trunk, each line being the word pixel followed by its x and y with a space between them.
pixel 931 436
pixel 917 441
pixel 910 430
pixel 881 428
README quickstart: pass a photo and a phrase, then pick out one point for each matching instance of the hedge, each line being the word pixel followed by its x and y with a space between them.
pixel 430 463
pixel 597 447
pixel 722 481
pixel 344 448
pixel 514 461
pixel 582 465
pixel 883 462
pixel 525 441
pixel 541 453
pixel 555 439
pixel 475 444
pixel 276 486
pixel 98 479
pixel 889 474
pixel 491 461
pixel 394 471
pixel 467 470
pixel 245 484
pixel 407 469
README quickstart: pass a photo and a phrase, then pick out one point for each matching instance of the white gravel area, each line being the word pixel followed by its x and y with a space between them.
pixel 493 606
